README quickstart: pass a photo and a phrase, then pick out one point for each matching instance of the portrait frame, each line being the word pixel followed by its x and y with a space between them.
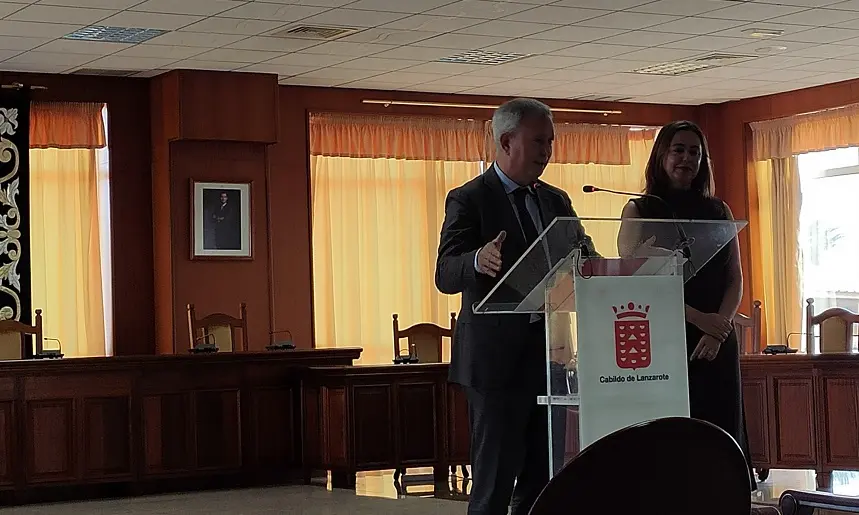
pixel 221 220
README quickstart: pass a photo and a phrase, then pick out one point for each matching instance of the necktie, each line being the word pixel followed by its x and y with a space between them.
pixel 525 219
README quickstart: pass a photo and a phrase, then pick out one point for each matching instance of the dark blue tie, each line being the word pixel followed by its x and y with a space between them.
pixel 525 219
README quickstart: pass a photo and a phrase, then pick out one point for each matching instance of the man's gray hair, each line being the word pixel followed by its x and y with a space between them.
pixel 510 114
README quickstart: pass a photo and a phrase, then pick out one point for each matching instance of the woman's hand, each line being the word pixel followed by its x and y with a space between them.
pixel 712 324
pixel 708 348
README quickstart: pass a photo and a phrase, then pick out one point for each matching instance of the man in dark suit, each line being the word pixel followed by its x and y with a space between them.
pixel 228 227
pixel 500 359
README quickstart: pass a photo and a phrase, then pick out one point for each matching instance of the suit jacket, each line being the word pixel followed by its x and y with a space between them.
pixel 492 351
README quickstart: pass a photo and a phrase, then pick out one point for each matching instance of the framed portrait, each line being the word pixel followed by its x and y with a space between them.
pixel 221 220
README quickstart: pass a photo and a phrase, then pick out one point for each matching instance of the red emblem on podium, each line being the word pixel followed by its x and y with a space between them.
pixel 632 336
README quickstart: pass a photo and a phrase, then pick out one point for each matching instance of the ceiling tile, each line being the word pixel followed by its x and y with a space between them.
pixel 384 65
pixel 271 44
pixel 198 7
pixel 849 5
pixel 828 78
pixel 196 39
pixel 21 43
pixel 433 87
pixel 434 24
pixel 307 81
pixel 278 69
pixel 372 85
pixel 7 9
pixel 98 4
pixel 194 64
pixel 83 47
pixel 608 65
pixel 557 15
pixel 341 74
pixel 388 36
pixel 569 75
pixel 113 62
pixel 35 30
pixel 629 20
pixel 415 53
pixel 398 5
pixel 776 62
pixel 301 59
pixel 438 68
pixel 752 11
pixel 809 3
pixel 552 62
pixel 49 58
pixel 826 52
pixel 482 9
pixel 510 29
pixel 577 34
pixel 234 26
pixel 506 71
pixel 348 49
pixel 461 41
pixel 150 20
pixel 404 77
pixel 163 51
pixel 234 55
pixel 829 65
pixel 148 74
pixel 785 75
pixel 728 72
pixel 817 17
pixel 644 38
pixel 661 55
pixel 529 46
pixel 706 43
pixel 765 47
pixel 682 7
pixel 6 54
pixel 37 68
pixel 697 26
pixel 272 12
pixel 596 50
pixel 625 78
pixel 822 35
pixel 52 14
pixel 353 18
pixel 611 5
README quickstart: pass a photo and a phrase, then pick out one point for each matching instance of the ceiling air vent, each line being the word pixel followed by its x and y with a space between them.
pixel 719 59
pixel 106 73
pixel 483 57
pixel 114 34
pixel 697 64
pixel 315 32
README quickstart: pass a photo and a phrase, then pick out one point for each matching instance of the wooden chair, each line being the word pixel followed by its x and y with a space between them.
pixel 13 338
pixel 748 329
pixel 424 340
pixel 836 329
pixel 425 346
pixel 653 452
pixel 219 327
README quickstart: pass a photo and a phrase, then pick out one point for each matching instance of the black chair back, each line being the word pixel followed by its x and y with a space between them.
pixel 669 466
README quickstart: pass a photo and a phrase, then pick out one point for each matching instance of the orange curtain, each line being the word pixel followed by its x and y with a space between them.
pixel 66 171
pixel 66 125
pixel 378 189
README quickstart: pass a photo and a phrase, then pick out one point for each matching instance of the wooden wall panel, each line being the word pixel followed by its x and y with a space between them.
pixel 756 404
pixel 50 441
pixel 7 443
pixel 373 408
pixel 107 438
pixel 312 427
pixel 419 419
pixel 218 429
pixel 841 420
pixel 273 432
pixel 335 428
pixel 459 430
pixel 166 433
pixel 796 440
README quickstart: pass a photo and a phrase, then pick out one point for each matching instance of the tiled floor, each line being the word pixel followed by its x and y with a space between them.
pixel 375 494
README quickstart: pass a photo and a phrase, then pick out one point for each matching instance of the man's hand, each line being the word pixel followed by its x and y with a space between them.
pixel 489 257
pixel 708 348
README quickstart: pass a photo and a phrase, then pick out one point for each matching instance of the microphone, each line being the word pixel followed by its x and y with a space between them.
pixel 682 245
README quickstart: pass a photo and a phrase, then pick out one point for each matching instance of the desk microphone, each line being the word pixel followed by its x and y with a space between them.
pixel 682 245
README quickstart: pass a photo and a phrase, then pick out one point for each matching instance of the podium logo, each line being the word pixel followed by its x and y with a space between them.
pixel 631 336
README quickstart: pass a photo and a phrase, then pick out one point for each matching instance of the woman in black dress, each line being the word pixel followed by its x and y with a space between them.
pixel 679 173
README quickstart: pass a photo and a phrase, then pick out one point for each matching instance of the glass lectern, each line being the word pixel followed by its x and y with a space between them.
pixel 610 293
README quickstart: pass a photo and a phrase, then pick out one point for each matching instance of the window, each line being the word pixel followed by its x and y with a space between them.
pixel 829 235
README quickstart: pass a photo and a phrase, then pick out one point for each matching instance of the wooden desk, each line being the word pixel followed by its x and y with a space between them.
pixel 383 417
pixel 803 412
pixel 152 422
